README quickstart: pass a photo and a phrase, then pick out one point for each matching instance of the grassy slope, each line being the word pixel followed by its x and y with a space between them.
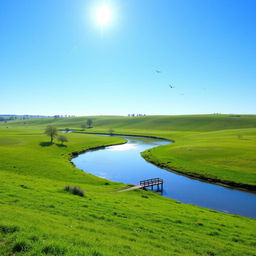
pixel 221 156
pixel 162 123
pixel 217 147
pixel 38 218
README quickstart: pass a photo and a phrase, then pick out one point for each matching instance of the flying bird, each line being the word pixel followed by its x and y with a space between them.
pixel 158 71
pixel 171 86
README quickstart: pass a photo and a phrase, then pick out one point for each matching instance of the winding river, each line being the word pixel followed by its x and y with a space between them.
pixel 123 163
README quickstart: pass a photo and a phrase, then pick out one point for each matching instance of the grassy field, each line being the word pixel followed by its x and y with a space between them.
pixel 161 123
pixel 38 217
pixel 218 148
pixel 227 156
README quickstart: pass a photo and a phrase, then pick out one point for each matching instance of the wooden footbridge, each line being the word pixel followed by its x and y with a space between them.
pixel 144 184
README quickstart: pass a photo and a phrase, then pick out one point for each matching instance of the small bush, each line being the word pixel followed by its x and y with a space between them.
pixel 62 139
pixel 74 190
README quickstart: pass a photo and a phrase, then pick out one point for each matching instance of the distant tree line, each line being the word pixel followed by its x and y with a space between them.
pixel 62 116
pixel 6 118
pixel 132 115
pixel 230 115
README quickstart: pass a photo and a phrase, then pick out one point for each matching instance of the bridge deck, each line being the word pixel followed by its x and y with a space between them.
pixel 131 188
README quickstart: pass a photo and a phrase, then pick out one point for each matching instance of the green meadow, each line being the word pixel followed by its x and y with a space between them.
pixel 217 148
pixel 38 217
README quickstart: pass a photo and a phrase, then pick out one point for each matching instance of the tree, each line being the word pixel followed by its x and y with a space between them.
pixel 62 138
pixel 51 131
pixel 89 123
pixel 111 131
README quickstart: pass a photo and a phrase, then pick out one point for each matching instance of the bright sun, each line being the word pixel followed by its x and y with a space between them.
pixel 103 15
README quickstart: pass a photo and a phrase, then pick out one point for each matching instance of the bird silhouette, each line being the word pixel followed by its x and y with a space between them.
pixel 171 86
pixel 158 71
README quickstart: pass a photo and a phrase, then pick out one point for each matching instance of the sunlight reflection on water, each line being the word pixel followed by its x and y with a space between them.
pixel 123 147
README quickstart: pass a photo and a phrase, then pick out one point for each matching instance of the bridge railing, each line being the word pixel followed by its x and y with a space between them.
pixel 150 182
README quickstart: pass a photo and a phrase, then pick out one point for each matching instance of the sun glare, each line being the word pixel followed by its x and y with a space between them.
pixel 103 15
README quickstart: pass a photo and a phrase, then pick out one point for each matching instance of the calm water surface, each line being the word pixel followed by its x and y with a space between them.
pixel 123 163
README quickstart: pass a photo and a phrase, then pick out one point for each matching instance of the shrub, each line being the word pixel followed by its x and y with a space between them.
pixel 74 190
pixel 62 139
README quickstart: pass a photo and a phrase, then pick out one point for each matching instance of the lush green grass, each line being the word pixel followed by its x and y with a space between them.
pixel 220 148
pixel 25 152
pixel 228 156
pixel 38 217
pixel 162 123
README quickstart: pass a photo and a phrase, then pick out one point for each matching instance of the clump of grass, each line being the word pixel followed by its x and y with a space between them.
pixel 53 249
pixel 21 246
pixel 34 238
pixel 8 229
pixel 24 186
pixel 74 190
pixel 95 253
pixel 213 233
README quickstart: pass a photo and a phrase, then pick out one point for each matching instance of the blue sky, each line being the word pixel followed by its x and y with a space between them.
pixel 54 59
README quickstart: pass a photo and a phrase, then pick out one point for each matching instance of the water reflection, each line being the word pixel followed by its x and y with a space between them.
pixel 123 147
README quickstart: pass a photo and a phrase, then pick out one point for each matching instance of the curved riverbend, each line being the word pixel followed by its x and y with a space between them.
pixel 123 163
